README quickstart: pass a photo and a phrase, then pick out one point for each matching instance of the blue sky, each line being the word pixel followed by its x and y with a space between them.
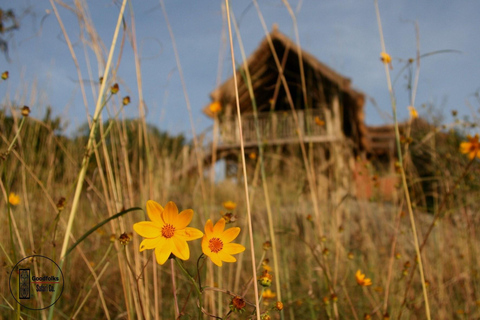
pixel 342 34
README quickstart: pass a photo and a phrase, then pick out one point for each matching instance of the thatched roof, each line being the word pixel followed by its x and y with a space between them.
pixel 322 83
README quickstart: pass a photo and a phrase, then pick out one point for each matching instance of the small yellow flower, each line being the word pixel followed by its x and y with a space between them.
pixel 115 88
pixel 265 316
pixel 413 112
pixel 266 267
pixel 472 147
pixel 385 57
pixel 215 107
pixel 13 199
pixel 279 305
pixel 216 243
pixel 268 294
pixel 229 205
pixel 126 100
pixel 265 279
pixel 361 280
pixel 252 155
pixel 167 232
pixel 4 75
pixel 319 122
pixel 25 111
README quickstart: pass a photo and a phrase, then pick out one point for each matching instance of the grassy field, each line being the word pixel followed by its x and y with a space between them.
pixel 310 252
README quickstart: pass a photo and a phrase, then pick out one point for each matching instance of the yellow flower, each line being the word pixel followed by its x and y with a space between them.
pixel 413 112
pixel 472 147
pixel 268 294
pixel 265 279
pixel 385 57
pixel 215 107
pixel 229 205
pixel 167 232
pixel 114 89
pixel 216 242
pixel 13 199
pixel 319 122
pixel 361 280
pixel 279 305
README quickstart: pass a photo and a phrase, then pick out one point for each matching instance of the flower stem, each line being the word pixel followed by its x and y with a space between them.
pixel 197 288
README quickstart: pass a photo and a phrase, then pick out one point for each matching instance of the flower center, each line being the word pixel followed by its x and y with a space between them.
pixel 168 231
pixel 215 245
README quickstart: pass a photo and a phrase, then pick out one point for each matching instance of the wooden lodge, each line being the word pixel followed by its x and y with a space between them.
pixel 332 110
pixel 329 114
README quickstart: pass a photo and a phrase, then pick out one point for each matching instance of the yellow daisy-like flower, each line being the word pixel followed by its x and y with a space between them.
pixel 413 112
pixel 13 199
pixel 216 242
pixel 385 57
pixel 472 147
pixel 167 232
pixel 268 294
pixel 229 205
pixel 215 107
pixel 361 280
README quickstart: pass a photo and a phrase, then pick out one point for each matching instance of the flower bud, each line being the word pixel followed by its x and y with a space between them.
pixel 25 111
pixel 115 88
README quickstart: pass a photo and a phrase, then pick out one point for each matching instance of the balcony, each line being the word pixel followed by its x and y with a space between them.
pixel 277 128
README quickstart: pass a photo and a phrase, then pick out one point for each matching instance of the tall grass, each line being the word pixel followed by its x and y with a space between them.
pixel 69 186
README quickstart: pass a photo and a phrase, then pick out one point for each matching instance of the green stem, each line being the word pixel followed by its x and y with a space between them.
pixel 197 288
pixel 10 147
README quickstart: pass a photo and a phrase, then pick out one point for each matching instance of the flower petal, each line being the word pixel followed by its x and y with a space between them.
pixel 224 256
pixel 189 234
pixel 183 219
pixel 465 147
pixel 162 253
pixel 233 248
pixel 180 248
pixel 219 227
pixel 215 259
pixel 205 249
pixel 154 211
pixel 152 243
pixel 230 234
pixel 170 213
pixel 209 227
pixel 147 229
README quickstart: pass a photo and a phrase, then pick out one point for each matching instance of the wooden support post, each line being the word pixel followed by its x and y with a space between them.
pixel 342 176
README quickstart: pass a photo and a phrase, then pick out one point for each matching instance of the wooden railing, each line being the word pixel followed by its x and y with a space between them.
pixel 274 127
